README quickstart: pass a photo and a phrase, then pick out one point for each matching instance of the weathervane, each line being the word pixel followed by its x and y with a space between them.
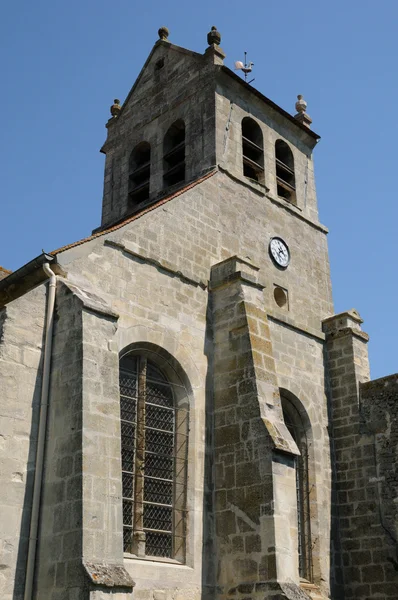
pixel 246 67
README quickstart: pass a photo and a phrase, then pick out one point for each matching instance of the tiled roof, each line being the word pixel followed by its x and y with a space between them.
pixel 137 215
pixel 4 273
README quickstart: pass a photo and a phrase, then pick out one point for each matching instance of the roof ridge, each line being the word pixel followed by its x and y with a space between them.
pixel 136 216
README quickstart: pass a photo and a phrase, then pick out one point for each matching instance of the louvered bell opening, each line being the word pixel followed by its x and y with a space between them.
pixel 285 178
pixel 174 154
pixel 252 150
pixel 140 173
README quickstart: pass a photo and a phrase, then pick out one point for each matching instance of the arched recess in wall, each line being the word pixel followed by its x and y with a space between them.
pixel 174 154
pixel 154 411
pixel 139 173
pixel 285 176
pixel 252 150
pixel 298 424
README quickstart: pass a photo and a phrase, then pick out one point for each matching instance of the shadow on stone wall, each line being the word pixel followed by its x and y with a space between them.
pixel 336 570
pixel 209 570
pixel 20 573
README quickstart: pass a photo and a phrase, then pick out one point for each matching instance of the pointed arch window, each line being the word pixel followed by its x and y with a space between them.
pixel 154 428
pixel 285 177
pixel 139 173
pixel 252 150
pixel 297 430
pixel 174 154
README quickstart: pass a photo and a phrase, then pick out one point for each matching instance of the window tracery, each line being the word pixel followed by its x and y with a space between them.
pixel 154 430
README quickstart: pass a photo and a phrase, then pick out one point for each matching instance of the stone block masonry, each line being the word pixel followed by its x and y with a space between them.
pixel 21 338
pixel 254 481
pixel 186 277
pixel 365 434
pixel 81 522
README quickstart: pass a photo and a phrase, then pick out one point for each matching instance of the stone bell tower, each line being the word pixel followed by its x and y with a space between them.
pixel 195 379
pixel 187 118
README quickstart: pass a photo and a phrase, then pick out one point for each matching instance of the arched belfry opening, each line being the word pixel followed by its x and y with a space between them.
pixel 252 150
pixel 139 173
pixel 285 177
pixel 174 154
pixel 298 429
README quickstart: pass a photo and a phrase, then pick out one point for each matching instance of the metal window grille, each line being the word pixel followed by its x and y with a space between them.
pixel 296 428
pixel 154 458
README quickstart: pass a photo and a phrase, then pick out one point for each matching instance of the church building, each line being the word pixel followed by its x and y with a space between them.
pixel 183 416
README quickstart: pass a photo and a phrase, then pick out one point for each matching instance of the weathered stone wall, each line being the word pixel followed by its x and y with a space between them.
pixel 181 89
pixel 154 274
pixel 21 338
pixel 379 428
pixel 255 489
pixel 364 433
pixel 300 374
pixel 346 366
pixel 59 553
pixel 233 103
pixel 81 521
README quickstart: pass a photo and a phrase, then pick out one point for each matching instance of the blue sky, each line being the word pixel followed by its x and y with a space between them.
pixel 63 63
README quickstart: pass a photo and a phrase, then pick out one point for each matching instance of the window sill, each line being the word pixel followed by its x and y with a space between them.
pixel 260 188
pixel 284 202
pixel 171 562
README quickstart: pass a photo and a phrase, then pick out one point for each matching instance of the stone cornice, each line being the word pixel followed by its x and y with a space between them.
pixel 285 320
pixel 90 300
pixel 164 265
pixel 297 213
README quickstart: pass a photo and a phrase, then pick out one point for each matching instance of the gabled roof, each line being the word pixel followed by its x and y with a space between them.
pixel 222 69
pixel 14 284
pixel 158 43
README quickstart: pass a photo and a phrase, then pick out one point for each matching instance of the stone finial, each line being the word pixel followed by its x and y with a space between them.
pixel 301 107
pixel 163 33
pixel 214 52
pixel 115 108
pixel 214 36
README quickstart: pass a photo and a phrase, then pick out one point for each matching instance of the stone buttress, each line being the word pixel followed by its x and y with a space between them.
pixel 254 479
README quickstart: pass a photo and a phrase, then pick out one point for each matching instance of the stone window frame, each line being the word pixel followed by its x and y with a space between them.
pixel 252 150
pixel 182 391
pixel 285 172
pixel 299 426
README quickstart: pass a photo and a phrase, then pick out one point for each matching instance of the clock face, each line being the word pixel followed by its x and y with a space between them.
pixel 279 252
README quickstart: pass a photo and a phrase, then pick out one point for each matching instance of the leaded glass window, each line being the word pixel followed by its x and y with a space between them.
pixel 296 427
pixel 154 428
